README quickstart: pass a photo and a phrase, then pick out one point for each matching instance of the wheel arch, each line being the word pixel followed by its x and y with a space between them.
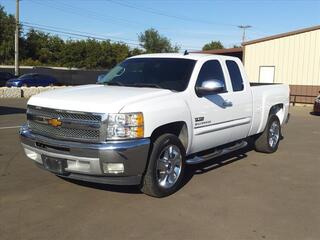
pixel 178 128
pixel 279 111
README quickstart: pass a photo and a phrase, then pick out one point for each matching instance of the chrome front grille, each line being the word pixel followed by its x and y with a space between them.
pixel 63 114
pixel 74 126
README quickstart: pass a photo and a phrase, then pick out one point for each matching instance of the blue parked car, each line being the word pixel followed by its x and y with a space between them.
pixel 32 80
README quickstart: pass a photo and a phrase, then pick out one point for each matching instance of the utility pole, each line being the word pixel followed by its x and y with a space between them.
pixel 244 27
pixel 16 42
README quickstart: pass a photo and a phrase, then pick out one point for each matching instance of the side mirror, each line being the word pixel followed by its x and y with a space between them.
pixel 100 77
pixel 210 87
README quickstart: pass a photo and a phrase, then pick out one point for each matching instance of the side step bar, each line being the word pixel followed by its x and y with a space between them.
pixel 217 153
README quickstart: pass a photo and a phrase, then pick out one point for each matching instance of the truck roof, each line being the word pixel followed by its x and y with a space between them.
pixel 193 56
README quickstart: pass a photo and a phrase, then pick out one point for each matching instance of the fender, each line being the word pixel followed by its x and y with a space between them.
pixel 161 111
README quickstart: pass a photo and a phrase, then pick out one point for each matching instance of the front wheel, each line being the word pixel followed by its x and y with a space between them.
pixel 166 166
pixel 268 141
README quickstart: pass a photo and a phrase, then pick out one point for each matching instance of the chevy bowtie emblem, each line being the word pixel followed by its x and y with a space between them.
pixel 54 122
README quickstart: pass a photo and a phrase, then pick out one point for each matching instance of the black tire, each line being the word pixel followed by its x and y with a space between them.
pixel 261 143
pixel 150 183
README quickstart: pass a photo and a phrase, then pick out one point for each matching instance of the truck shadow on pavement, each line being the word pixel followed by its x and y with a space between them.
pixel 106 187
pixel 315 113
pixel 215 163
pixel 191 170
pixel 218 162
pixel 11 110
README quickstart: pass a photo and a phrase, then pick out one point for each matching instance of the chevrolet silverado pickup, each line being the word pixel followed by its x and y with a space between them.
pixel 150 117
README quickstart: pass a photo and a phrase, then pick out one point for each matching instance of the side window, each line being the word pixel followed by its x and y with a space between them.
pixel 210 70
pixel 235 76
pixel 35 76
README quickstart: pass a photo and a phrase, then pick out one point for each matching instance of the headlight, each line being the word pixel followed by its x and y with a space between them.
pixel 125 126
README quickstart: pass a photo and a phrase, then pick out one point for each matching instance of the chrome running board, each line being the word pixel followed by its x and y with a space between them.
pixel 217 153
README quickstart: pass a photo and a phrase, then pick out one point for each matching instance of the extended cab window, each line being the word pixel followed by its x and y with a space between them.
pixel 235 76
pixel 210 70
pixel 166 73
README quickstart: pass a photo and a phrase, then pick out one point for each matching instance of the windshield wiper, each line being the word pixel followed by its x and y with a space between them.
pixel 151 85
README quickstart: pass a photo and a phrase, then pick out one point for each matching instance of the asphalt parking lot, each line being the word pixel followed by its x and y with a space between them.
pixel 245 195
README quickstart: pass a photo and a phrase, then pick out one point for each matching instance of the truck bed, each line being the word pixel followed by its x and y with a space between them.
pixel 264 96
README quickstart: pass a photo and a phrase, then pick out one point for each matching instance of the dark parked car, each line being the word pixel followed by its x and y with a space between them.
pixel 4 77
pixel 32 80
pixel 316 106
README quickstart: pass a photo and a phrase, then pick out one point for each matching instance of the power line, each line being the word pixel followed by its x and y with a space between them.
pixel 98 16
pixel 156 12
pixel 93 15
pixel 75 34
pixel 72 9
pixel 81 35
pixel 66 8
pixel 112 38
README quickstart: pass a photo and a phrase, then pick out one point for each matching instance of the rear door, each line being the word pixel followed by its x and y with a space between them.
pixel 241 99
pixel 218 118
pixel 33 80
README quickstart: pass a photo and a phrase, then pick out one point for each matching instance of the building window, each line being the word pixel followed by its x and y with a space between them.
pixel 266 74
pixel 235 76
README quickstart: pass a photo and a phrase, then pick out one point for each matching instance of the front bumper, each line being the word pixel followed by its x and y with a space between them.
pixel 12 84
pixel 85 161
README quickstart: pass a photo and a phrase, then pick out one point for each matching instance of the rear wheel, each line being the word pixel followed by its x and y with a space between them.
pixel 268 141
pixel 166 166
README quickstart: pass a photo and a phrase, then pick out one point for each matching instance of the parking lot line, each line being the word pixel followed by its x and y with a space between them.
pixel 2 128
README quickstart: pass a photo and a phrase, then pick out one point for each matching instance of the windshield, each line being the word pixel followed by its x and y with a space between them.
pixel 28 75
pixel 166 73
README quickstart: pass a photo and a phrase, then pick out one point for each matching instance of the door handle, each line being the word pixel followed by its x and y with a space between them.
pixel 227 103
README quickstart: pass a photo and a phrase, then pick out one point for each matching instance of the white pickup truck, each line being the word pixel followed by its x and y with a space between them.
pixel 149 117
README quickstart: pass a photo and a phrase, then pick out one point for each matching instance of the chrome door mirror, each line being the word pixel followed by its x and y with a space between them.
pixel 210 87
pixel 100 77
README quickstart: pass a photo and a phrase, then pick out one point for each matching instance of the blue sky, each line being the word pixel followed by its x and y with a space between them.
pixel 188 23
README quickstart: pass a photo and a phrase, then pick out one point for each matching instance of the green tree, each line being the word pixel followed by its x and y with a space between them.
pixel 43 47
pixel 135 51
pixel 153 42
pixel 93 54
pixel 7 29
pixel 213 45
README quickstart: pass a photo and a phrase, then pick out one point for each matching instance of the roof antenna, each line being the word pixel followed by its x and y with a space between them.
pixel 186 52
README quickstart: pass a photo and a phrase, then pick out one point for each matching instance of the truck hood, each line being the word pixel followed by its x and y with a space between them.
pixel 95 98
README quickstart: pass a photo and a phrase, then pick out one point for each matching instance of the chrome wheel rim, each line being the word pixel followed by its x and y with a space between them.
pixel 274 134
pixel 169 166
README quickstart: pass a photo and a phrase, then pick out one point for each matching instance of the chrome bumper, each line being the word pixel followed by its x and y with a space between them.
pixel 85 161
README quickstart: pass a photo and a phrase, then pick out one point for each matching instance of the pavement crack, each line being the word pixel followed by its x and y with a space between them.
pixel 4 171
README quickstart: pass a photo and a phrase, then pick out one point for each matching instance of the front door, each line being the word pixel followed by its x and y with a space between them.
pixel 216 117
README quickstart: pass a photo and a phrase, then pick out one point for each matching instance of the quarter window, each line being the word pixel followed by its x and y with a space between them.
pixel 235 76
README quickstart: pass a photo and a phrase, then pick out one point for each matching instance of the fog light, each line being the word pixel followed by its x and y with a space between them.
pixel 114 168
pixel 33 155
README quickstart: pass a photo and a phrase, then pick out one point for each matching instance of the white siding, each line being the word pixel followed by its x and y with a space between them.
pixel 296 58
